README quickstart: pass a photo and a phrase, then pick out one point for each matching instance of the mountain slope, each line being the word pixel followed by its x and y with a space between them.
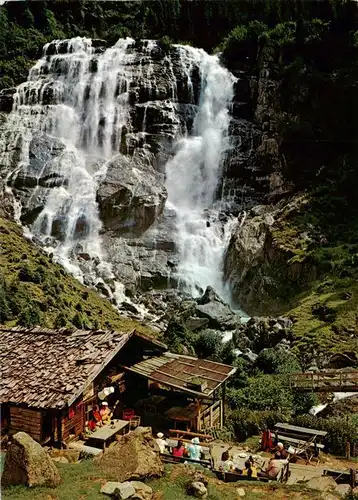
pixel 36 291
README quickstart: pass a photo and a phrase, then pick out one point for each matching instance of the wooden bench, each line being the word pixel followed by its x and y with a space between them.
pixel 168 458
pixel 232 477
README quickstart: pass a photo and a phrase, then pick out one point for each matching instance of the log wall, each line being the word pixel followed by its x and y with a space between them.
pixel 23 419
pixel 74 425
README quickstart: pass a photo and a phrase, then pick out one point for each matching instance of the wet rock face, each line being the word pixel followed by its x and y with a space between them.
pixel 259 263
pixel 131 196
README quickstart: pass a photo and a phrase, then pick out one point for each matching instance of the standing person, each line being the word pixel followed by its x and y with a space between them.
pixel 162 444
pixel 179 449
pixel 194 450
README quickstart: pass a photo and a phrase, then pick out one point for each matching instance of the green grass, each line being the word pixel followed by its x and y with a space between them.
pixel 37 291
pixel 83 481
pixel 79 481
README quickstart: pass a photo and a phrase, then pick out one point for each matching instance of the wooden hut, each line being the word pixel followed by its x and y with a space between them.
pixel 51 379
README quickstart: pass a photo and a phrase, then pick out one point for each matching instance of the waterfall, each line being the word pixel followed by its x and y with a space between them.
pixel 81 107
pixel 193 174
pixel 85 109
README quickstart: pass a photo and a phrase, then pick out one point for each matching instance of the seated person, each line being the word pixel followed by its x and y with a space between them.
pixel 105 413
pixel 273 468
pixel 179 449
pixel 161 442
pixel 226 464
pixel 96 416
pixel 250 469
pixel 281 451
pixel 195 450
pixel 91 424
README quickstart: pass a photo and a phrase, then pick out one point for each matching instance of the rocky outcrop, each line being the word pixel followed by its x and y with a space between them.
pixel 219 314
pixel 135 457
pixel 32 182
pixel 26 462
pixel 131 196
pixel 260 333
pixel 265 262
pixel 207 313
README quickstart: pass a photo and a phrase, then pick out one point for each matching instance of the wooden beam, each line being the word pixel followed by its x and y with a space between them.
pixel 223 405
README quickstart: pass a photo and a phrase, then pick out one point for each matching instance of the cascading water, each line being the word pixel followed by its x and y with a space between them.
pixel 193 175
pixel 78 100
pixel 87 117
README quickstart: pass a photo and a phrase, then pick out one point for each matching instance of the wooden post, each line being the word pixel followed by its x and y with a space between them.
pixel 223 405
pixel 59 428
pixel 352 480
pixel 348 450
pixel 199 415
pixel 211 415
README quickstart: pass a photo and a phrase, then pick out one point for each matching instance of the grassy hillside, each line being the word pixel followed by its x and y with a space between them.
pixel 35 291
pixel 326 310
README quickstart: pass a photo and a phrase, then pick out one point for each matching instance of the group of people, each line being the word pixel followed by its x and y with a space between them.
pixel 251 471
pixel 99 416
pixel 193 451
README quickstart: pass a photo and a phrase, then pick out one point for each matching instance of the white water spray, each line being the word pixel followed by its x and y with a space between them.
pixel 79 98
pixel 193 175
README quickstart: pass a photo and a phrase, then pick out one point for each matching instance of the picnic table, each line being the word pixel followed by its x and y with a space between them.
pixel 106 432
pixel 301 439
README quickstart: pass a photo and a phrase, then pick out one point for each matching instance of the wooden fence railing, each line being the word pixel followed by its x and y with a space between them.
pixel 327 381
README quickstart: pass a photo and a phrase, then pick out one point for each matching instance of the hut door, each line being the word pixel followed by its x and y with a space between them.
pixel 47 428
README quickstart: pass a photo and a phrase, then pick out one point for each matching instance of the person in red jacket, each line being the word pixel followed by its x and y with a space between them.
pixel 179 449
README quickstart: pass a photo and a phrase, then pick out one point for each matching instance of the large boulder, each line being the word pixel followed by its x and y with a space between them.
pixel 265 263
pixel 26 462
pixel 135 456
pixel 322 483
pixel 197 489
pixel 131 196
pixel 216 311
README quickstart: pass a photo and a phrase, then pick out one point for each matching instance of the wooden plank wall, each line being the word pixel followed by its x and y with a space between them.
pixel 75 425
pixel 26 420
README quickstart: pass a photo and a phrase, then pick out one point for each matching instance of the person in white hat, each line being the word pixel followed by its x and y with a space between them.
pixel 161 442
pixel 281 452
pixel 195 450
pixel 105 412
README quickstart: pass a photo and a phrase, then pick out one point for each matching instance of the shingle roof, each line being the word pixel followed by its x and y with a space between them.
pixel 178 371
pixel 50 368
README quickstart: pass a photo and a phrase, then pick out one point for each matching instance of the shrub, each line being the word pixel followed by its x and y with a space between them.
pixel 208 344
pixel 29 316
pixel 244 423
pixel 5 312
pixel 340 430
pixel 282 34
pixel 165 43
pixel 272 360
pixel 178 338
pixel 264 392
